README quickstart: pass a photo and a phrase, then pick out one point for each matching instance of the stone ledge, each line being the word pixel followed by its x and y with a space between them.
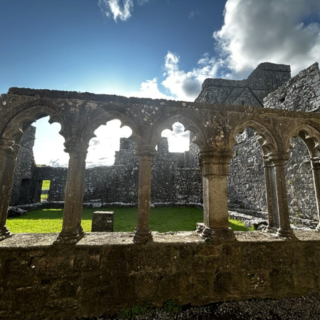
pixel 42 240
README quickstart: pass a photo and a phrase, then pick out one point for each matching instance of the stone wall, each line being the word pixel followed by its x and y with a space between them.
pixel 173 182
pixel 246 184
pixel 301 93
pixel 23 188
pixel 106 272
pixel 57 177
pixel 175 176
pixel 266 78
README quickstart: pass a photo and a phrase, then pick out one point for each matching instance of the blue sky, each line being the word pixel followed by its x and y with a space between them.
pixel 146 48
pixel 73 45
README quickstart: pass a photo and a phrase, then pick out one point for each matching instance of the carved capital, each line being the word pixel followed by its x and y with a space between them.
pixel 279 159
pixel 76 147
pixel 214 162
pixel 315 162
pixel 8 146
pixel 145 151
pixel 266 162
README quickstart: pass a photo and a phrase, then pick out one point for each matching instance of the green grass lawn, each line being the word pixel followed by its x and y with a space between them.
pixel 162 219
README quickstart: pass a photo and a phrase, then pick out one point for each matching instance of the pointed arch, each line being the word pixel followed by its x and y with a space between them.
pixel 309 135
pixel 188 123
pixel 266 139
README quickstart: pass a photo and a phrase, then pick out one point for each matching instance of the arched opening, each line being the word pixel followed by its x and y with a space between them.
pixel 111 181
pixel 247 194
pixel 176 191
pixel 302 178
pixel 40 153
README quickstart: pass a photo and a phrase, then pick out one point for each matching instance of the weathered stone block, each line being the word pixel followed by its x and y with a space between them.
pixel 102 221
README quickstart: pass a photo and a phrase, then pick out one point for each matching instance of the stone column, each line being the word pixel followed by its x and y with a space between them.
pixel 315 163
pixel 142 232
pixel 8 157
pixel 279 163
pixel 271 196
pixel 72 231
pixel 214 169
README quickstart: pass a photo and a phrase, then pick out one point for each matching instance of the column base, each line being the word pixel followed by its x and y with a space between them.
pixel 217 235
pixel 317 228
pixel 286 233
pixel 5 233
pixel 70 237
pixel 142 236
pixel 271 229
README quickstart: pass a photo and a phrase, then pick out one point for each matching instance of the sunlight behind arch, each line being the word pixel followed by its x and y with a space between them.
pixel 102 148
pixel 178 139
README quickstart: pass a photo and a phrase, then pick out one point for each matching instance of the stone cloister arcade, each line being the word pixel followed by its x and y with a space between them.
pixel 215 128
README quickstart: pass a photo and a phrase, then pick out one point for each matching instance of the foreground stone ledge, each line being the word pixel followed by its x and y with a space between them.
pixel 26 240
pixel 105 272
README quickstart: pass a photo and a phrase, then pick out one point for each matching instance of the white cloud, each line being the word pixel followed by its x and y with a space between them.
pixel 119 9
pixel 180 84
pixel 149 89
pixel 102 149
pixel 269 31
pixel 187 85
pixel 178 139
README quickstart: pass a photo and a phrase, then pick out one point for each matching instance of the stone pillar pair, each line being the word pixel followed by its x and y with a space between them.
pixel 277 196
pixel 214 165
pixel 8 157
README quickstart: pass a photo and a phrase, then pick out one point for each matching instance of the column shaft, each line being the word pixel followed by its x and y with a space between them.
pixel 142 231
pixel 214 168
pixel 282 198
pixel 71 227
pixel 315 162
pixel 8 157
pixel 271 197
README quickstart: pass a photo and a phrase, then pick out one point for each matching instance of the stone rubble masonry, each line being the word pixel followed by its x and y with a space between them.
pixel 106 272
pixel 246 184
pixel 176 178
pixel 23 188
pixel 266 78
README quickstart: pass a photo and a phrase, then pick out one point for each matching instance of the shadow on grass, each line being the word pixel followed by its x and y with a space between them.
pixel 161 219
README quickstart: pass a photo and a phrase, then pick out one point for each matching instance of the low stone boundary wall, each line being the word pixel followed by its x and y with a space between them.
pixel 105 272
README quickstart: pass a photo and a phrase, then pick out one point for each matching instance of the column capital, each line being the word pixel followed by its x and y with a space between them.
pixel 315 162
pixel 214 161
pixel 279 159
pixel 8 146
pixel 76 146
pixel 145 151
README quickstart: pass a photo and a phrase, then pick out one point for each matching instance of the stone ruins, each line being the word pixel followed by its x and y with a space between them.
pixel 176 178
pixel 258 139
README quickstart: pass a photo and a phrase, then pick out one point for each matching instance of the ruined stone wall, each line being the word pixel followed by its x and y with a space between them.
pixel 266 78
pixel 301 93
pixel 57 177
pixel 173 182
pixel 246 184
pixel 106 272
pixel 23 188
pixel 176 178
